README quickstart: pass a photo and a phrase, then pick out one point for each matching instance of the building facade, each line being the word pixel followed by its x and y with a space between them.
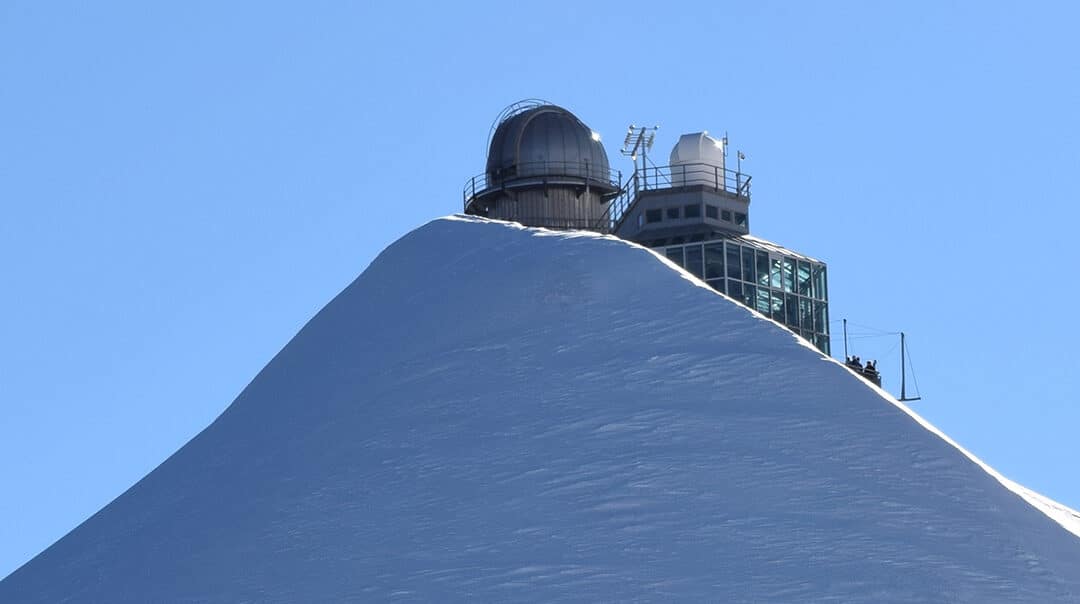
pixel 546 168
pixel 786 286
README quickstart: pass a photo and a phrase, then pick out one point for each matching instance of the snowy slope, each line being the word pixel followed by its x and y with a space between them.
pixel 491 413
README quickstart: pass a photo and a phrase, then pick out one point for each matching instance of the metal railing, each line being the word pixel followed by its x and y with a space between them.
pixel 554 172
pixel 670 177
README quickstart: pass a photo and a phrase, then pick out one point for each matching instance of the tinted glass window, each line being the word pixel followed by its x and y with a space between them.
pixel 819 282
pixel 763 301
pixel 734 289
pixel 749 293
pixel 762 268
pixel 694 264
pixel 803 278
pixel 717 284
pixel 791 308
pixel 725 215
pixel 822 342
pixel 653 216
pixel 789 274
pixel 734 264
pixel 748 264
pixel 774 273
pixel 675 255
pixel 711 211
pixel 821 316
pixel 673 213
pixel 740 219
pixel 777 307
pixel 714 260
pixel 693 211
pixel 806 314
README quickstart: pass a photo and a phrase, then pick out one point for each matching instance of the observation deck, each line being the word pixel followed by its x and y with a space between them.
pixel 686 177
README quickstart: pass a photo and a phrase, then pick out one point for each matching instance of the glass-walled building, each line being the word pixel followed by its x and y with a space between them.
pixel 788 287
pixel 697 213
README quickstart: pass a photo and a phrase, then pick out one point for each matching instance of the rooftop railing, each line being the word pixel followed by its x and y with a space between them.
pixel 554 172
pixel 671 177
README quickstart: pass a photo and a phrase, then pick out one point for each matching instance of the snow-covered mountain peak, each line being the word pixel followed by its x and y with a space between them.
pixel 494 413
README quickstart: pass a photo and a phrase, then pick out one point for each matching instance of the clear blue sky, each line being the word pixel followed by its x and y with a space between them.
pixel 184 186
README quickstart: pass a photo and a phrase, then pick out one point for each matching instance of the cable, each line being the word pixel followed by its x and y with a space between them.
pixel 875 329
pixel 913 377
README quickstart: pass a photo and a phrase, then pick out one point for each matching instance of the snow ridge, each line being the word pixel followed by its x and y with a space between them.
pixel 497 413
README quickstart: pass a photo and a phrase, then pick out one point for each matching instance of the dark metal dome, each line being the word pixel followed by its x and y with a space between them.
pixel 546 141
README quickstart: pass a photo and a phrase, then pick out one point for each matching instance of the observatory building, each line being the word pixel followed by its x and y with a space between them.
pixel 546 168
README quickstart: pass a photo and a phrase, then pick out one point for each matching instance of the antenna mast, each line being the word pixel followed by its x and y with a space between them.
pixel 638 141
pixel 903 373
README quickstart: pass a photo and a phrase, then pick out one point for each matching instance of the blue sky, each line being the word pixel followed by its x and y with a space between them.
pixel 183 187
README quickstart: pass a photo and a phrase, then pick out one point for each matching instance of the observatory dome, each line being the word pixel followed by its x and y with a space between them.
pixel 545 140
pixel 698 148
pixel 697 159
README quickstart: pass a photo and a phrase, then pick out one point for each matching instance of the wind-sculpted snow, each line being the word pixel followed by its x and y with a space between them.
pixel 492 413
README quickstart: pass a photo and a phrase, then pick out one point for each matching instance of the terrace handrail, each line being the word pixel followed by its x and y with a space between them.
pixel 654 178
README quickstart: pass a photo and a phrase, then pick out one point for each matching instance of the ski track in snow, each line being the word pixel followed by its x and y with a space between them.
pixel 494 413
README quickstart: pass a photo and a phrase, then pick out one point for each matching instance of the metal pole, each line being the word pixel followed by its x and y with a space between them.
pixel 903 376
pixel 845 341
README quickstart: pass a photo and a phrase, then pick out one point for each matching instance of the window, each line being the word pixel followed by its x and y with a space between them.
pixel 748 264
pixel 789 274
pixel 803 278
pixel 821 316
pixel 734 264
pixel 714 260
pixel 763 268
pixel 734 289
pixel 777 307
pixel 763 301
pixel 711 211
pixel 725 215
pixel 806 314
pixel 774 274
pixel 822 342
pixel 740 219
pixel 672 213
pixel 675 255
pixel 791 307
pixel 693 211
pixel 819 282
pixel 749 292
pixel 653 216
pixel 717 284
pixel 694 265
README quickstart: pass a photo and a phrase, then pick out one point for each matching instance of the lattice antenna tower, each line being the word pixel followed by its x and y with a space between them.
pixel 638 142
